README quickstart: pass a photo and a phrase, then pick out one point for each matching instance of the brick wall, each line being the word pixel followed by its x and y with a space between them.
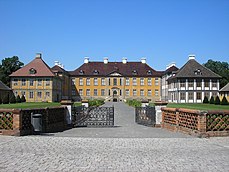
pixel 17 122
pixel 195 122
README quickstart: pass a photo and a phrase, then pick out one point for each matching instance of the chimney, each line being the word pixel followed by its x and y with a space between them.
pixel 143 60
pixel 56 63
pixel 191 57
pixel 86 59
pixel 38 55
pixel 105 60
pixel 124 60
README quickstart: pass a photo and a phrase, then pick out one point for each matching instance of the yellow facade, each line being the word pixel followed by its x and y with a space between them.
pixel 116 87
pixel 37 89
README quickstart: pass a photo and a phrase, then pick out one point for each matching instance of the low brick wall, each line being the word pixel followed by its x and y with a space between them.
pixel 195 122
pixel 17 122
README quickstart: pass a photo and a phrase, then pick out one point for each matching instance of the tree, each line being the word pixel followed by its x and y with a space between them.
pixel 8 66
pixel 205 100
pixel 224 101
pixel 6 99
pixel 212 100
pixel 220 68
pixel 18 100
pixel 217 100
pixel 12 99
pixel 23 99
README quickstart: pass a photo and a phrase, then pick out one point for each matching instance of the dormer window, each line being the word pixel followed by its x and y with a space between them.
pixel 134 72
pixel 81 72
pixel 32 71
pixel 198 72
pixel 96 72
pixel 149 72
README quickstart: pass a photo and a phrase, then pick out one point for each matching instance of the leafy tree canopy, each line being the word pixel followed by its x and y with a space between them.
pixel 7 67
pixel 221 68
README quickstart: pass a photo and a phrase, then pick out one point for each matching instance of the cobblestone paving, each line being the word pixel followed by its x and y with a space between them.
pixel 45 153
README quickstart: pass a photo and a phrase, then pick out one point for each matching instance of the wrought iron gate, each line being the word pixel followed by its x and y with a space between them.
pixel 93 116
pixel 145 115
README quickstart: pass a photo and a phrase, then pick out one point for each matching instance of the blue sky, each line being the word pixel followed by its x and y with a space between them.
pixel 163 31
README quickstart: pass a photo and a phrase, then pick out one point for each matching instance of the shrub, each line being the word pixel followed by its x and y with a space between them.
pixel 23 99
pixel 0 100
pixel 12 99
pixel 205 100
pixel 212 100
pixel 18 100
pixel 96 102
pixel 6 99
pixel 134 103
pixel 217 100
pixel 224 101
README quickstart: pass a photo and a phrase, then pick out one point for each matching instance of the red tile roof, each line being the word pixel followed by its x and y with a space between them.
pixel 36 68
pixel 128 69
pixel 58 69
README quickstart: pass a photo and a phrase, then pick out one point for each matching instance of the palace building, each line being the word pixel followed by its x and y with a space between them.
pixel 116 81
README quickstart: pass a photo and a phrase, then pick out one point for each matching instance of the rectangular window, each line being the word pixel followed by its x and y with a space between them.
pixel 206 83
pixel 80 81
pixel 103 81
pixel 15 82
pixel 127 81
pixel 73 81
pixel 214 84
pixel 198 83
pixel 95 81
pixel 31 82
pixel 120 92
pixel 149 81
pixel 149 92
pixel 141 81
pixel 134 92
pixel 182 96
pixel 73 92
pixel 23 82
pixel 88 81
pixel 120 81
pixel 127 92
pixel 88 92
pixel 47 82
pixel 39 94
pixel 39 82
pixel 81 92
pixel 156 92
pixel 47 94
pixel 182 83
pixel 198 95
pixel 109 81
pixel 190 96
pixel 141 92
pixel 207 94
pixel 190 83
pixel 115 81
pixel 102 92
pixel 22 92
pixel 156 81
pixel 214 94
pixel 134 81
pixel 95 92
pixel 31 94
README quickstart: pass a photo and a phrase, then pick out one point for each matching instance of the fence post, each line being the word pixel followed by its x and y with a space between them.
pixel 158 106
pixel 17 122
pixel 177 120
pixel 202 123
pixel 69 105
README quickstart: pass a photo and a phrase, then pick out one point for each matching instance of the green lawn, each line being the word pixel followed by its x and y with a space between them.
pixel 198 106
pixel 28 105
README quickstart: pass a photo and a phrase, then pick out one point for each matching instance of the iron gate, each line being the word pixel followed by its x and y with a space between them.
pixel 145 115
pixel 93 116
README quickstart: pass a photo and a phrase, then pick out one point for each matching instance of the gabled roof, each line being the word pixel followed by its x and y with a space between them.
pixel 192 69
pixel 225 88
pixel 128 69
pixel 58 69
pixel 36 68
pixel 3 86
pixel 171 69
